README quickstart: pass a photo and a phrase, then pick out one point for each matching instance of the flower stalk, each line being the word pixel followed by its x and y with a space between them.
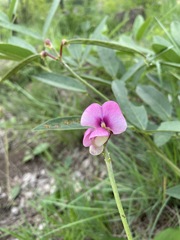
pixel 116 194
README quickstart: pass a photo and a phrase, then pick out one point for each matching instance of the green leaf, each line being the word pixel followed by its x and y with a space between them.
pixel 109 61
pixel 174 192
pixel 76 52
pixel 168 234
pixel 160 138
pixel 137 24
pixel 39 149
pixel 15 191
pixel 60 81
pixel 143 29
pixel 132 70
pixel 20 42
pixel 176 65
pixel 169 126
pixel 175 30
pixel 12 8
pixel 27 157
pixel 61 124
pixel 50 16
pixel 127 41
pixel 19 66
pixel 95 79
pixel 165 49
pixel 3 17
pixel 156 100
pixel 136 115
pixel 14 52
pixel 95 35
pixel 20 29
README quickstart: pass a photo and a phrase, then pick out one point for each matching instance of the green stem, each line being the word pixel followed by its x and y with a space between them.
pixel 107 44
pixel 84 82
pixel 116 195
pixel 169 162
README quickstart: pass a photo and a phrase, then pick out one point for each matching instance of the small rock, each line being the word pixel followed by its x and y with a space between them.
pixel 28 179
pixel 15 211
pixel 28 195
pixel 3 195
pixel 52 181
pixel 41 226
pixel 77 175
pixel 86 163
pixel 46 188
pixel 22 202
pixel 43 172
pixel 77 187
pixel 53 189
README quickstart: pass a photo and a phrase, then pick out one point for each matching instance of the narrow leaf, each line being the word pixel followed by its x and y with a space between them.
pixel 171 64
pixel 39 149
pixel 143 29
pixel 14 52
pixel 12 8
pixel 60 81
pixel 156 100
pixel 61 124
pixel 95 35
pixel 19 66
pixel 175 30
pixel 22 43
pixel 95 79
pixel 15 191
pixel 20 29
pixel 165 49
pixel 137 24
pixel 50 16
pixel 109 61
pixel 136 115
pixel 174 192
pixel 132 70
pixel 3 17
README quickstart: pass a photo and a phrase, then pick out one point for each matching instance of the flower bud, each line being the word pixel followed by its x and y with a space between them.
pixel 43 54
pixel 48 43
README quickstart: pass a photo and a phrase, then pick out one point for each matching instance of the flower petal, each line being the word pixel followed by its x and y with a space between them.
pixel 99 141
pixel 113 117
pixel 95 150
pixel 99 132
pixel 92 116
pixel 86 139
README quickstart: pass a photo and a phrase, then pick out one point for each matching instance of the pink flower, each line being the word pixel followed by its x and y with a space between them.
pixel 103 121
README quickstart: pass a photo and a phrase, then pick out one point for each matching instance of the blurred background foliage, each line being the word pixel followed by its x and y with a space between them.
pixel 147 87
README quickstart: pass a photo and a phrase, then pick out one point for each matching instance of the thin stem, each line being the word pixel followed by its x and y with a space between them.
pixel 116 195
pixel 7 164
pixel 162 156
pixel 84 82
pixel 158 216
pixel 169 162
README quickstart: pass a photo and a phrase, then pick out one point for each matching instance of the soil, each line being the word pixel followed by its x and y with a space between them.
pixel 25 180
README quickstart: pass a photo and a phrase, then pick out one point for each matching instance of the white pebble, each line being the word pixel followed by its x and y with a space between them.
pixel 15 210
